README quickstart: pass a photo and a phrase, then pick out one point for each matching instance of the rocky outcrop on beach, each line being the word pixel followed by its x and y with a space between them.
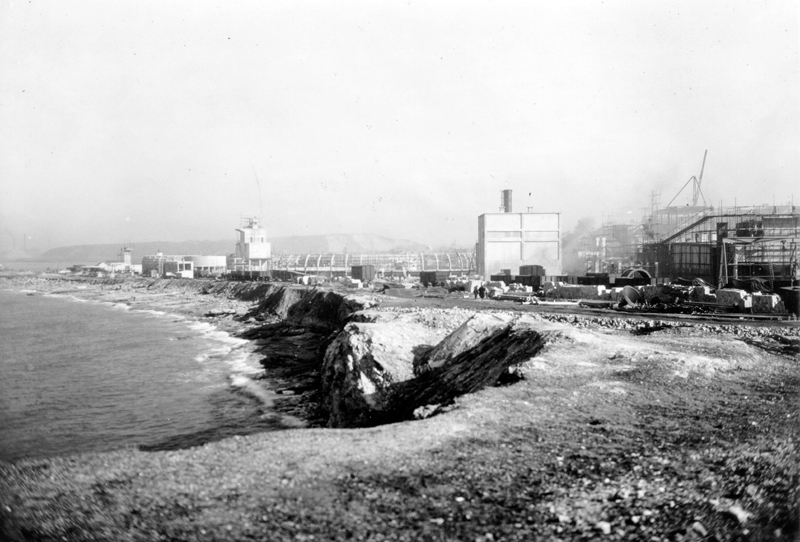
pixel 376 366
pixel 386 370
pixel 626 428
pixel 339 359
pixel 478 328
pixel 319 310
pixel 366 359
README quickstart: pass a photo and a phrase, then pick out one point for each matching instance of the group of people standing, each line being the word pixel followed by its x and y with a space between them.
pixel 479 291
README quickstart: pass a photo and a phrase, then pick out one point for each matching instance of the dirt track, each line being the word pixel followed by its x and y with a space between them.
pixel 683 431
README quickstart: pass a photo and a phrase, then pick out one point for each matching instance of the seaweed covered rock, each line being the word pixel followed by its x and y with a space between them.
pixel 368 375
pixel 471 333
pixel 318 310
pixel 484 359
pixel 365 360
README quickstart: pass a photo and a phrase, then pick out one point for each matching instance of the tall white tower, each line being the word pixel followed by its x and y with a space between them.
pixel 252 248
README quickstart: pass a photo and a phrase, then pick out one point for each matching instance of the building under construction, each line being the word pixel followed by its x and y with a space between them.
pixel 728 243
pixel 715 244
pixel 254 259
pixel 386 264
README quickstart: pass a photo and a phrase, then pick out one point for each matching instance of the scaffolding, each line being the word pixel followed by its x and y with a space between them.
pixel 700 241
pixel 719 244
pixel 336 264
pixel 612 248
pixel 715 244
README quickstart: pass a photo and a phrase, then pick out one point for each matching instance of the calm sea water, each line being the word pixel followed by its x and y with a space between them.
pixel 79 376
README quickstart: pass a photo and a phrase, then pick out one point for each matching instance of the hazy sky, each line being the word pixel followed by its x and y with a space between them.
pixel 169 120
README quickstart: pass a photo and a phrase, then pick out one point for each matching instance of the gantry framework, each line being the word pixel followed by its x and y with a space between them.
pixel 335 263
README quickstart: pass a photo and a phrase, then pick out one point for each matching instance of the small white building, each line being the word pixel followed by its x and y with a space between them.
pixel 205 266
pixel 160 265
pixel 126 265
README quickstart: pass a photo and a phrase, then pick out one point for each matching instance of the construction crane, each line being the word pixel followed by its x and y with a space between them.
pixel 696 187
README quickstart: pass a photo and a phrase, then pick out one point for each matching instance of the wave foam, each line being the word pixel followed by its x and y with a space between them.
pixel 68 296
pixel 267 397
pixel 152 312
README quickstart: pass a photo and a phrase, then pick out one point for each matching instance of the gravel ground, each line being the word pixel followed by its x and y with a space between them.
pixel 636 429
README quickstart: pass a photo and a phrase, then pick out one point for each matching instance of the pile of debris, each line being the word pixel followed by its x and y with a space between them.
pixel 679 297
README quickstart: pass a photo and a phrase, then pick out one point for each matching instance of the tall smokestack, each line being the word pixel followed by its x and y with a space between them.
pixel 507 201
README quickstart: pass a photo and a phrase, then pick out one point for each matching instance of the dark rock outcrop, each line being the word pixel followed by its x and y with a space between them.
pixel 368 372
pixel 365 360
pixel 484 359
pixel 356 365
pixel 477 329
pixel 319 310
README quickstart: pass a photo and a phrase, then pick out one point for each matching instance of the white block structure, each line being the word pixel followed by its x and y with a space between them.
pixel 507 241
pixel 253 252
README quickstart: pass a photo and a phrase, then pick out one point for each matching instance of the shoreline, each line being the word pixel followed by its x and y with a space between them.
pixel 624 430
pixel 135 295
pixel 206 316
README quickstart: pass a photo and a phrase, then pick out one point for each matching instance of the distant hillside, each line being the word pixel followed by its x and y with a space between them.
pixel 18 254
pixel 111 252
pixel 301 244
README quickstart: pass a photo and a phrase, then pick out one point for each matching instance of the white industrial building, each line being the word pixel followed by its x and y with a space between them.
pixel 161 265
pixel 253 252
pixel 507 241
pixel 205 266
pixel 126 265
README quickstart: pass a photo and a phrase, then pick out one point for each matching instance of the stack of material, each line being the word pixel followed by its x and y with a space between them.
pixel 352 283
pixel 495 291
pixel 497 284
pixel 732 297
pixel 767 303
pixel 667 294
pixel 703 294
pixel 519 288
pixel 310 280
pixel 576 291
pixel 651 293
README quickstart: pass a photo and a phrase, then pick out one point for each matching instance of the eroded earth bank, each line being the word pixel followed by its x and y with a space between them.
pixel 450 419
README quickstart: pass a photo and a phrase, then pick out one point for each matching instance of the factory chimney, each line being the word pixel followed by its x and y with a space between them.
pixel 506 201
